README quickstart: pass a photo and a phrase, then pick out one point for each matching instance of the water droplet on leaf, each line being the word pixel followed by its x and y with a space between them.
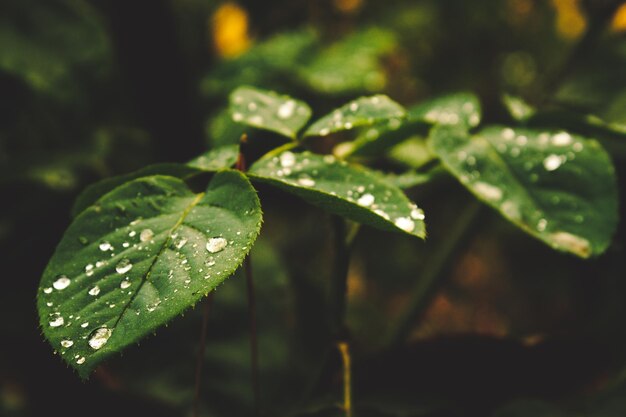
pixel 99 337
pixel 123 266
pixel 61 283
pixel 216 244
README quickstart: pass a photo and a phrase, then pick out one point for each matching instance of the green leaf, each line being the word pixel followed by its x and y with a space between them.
pixel 364 111
pixel 349 191
pixel 96 190
pixel 558 187
pixel 351 65
pixel 138 257
pixel 216 159
pixel 269 111
pixel 461 109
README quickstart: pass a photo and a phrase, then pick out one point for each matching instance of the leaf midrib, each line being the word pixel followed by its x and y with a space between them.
pixel 163 247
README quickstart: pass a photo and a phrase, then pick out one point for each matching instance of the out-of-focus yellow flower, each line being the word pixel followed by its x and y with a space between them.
pixel 619 19
pixel 348 6
pixel 229 25
pixel 570 20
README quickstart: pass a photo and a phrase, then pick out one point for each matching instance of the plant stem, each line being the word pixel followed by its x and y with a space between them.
pixel 599 18
pixel 436 267
pixel 344 349
pixel 344 234
pixel 254 347
pixel 206 309
pixel 242 166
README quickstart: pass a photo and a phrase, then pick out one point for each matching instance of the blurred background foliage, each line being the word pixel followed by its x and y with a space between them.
pixel 506 327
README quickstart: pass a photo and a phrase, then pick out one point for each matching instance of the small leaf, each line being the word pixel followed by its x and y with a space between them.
pixel 216 159
pixel 461 109
pixel 268 110
pixel 353 192
pixel 364 111
pixel 558 187
pixel 351 65
pixel 138 257
pixel 518 108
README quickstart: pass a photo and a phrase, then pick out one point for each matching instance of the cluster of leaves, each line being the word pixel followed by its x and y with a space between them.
pixel 144 247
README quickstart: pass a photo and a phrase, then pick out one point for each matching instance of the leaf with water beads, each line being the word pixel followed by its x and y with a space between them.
pixel 214 160
pixel 556 186
pixel 138 257
pixel 346 190
pixel 364 111
pixel 456 109
pixel 269 111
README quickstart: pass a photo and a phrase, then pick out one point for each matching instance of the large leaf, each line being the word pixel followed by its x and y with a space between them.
pixel 364 111
pixel 268 110
pixel 96 190
pixel 138 257
pixel 346 190
pixel 556 186
pixel 213 160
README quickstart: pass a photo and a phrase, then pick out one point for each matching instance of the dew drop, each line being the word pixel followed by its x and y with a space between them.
pixel 105 246
pixel 237 117
pixel 146 235
pixel 125 284
pixel 490 192
pixel 405 223
pixel 123 266
pixel 256 120
pixel 47 290
pixel 508 133
pixel 306 181
pixel 99 337
pixel 366 200
pixel 57 321
pixel 216 244
pixel 94 291
pixel 85 324
pixel 252 106
pixel 66 343
pixel 132 233
pixel 552 162
pixel 572 242
pixel 286 110
pixel 561 139
pixel 354 106
pixel 180 243
pixel 417 214
pixel 61 283
pixel 324 132
pixel 287 159
pixel 542 224
pixel 80 360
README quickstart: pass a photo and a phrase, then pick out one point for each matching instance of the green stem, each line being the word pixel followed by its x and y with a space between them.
pixel 344 234
pixel 599 18
pixel 206 309
pixel 254 345
pixel 434 270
